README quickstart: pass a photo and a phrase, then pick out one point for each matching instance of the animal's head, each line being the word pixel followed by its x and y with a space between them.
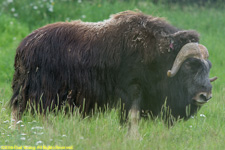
pixel 192 67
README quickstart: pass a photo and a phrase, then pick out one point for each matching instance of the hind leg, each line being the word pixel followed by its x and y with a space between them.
pixel 17 109
pixel 15 117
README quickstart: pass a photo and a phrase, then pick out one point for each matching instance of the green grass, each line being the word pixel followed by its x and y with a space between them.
pixel 103 131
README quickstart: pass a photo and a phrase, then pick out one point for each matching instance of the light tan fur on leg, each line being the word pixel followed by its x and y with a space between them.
pixel 134 117
pixel 133 124
pixel 14 118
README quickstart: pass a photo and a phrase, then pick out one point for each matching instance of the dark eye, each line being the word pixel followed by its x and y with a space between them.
pixel 187 66
pixel 192 65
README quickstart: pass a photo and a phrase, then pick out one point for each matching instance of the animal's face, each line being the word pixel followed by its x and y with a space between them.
pixel 193 66
pixel 194 75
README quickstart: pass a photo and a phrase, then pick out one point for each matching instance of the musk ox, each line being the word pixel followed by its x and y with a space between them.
pixel 137 59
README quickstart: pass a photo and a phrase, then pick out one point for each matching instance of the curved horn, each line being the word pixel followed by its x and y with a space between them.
pixel 189 50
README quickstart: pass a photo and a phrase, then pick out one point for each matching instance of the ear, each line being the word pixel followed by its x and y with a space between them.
pixel 180 38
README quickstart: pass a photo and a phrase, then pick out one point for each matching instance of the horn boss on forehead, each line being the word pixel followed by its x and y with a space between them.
pixel 190 50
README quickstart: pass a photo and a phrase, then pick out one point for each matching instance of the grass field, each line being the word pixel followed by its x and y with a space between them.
pixel 205 131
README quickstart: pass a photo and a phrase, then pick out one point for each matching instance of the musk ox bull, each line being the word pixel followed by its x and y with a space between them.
pixel 139 59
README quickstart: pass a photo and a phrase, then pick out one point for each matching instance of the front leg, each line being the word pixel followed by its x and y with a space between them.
pixel 134 117
pixel 130 109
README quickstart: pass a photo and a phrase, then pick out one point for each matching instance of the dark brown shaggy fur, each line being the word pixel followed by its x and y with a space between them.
pixel 125 57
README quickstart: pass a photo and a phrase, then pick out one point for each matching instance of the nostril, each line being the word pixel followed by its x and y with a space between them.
pixel 203 96
pixel 206 96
